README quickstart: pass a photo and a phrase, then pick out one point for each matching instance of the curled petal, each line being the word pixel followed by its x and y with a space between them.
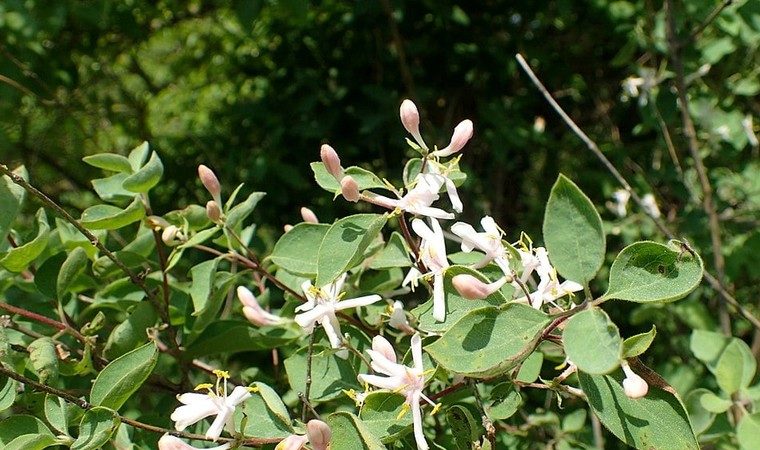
pixel 187 415
pixel 439 299
pixel 384 348
pixel 238 396
pixel 417 351
pixel 169 442
pixel 390 383
pixel 215 430
pixel 419 436
pixel 358 301
pixel 307 319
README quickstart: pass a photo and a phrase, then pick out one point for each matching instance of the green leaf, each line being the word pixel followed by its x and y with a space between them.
pixel 44 359
pixel 7 393
pixel 265 415
pixel 55 413
pixel 233 336
pixel 463 426
pixel 350 433
pixel 650 272
pixel 131 333
pixel 31 442
pixel 364 178
pixel 108 217
pixel 658 420
pixel 331 375
pixel 575 421
pixel 707 346
pixel 531 368
pixel 241 211
pixel 203 280
pixel 701 418
pixel 111 189
pixel 573 232
pixel 70 268
pixel 295 250
pixel 96 428
pixel 381 412
pixel 394 254
pixel 146 177
pixel 138 155
pixel 11 198
pixel 19 258
pixel 344 243
pixel 19 425
pixel 592 341
pixel 638 344
pixel 456 305
pixel 505 401
pixel 109 161
pixel 489 341
pixel 713 403
pixel 123 376
pixel 748 432
pixel 736 367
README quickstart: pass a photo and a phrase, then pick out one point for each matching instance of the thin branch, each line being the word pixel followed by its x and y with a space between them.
pixel 45 320
pixel 28 382
pixel 693 146
pixel 711 280
pixel 702 26
pixel 307 389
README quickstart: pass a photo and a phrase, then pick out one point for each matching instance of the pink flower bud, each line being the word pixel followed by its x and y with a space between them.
pixel 156 222
pixel 382 346
pixel 331 160
pixel 292 442
pixel 308 215
pixel 169 236
pixel 169 442
pixel 350 189
pixel 633 385
pixel 462 134
pixel 471 288
pixel 287 227
pixel 410 118
pixel 211 182
pixel 253 311
pixel 319 434
pixel 212 211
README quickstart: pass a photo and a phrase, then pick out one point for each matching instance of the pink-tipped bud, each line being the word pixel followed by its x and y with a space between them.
pixel 287 227
pixel 170 235
pixel 212 211
pixel 382 346
pixel 471 288
pixel 308 215
pixel 210 182
pixel 331 160
pixel 169 442
pixel 350 189
pixel 410 117
pixel 292 442
pixel 253 311
pixel 319 434
pixel 460 137
pixel 633 385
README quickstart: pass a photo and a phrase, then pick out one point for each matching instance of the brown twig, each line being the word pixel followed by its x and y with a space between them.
pixel 693 146
pixel 45 320
pixel 711 280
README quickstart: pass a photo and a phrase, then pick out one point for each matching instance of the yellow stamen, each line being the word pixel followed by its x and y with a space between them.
pixel 436 408
pixel 203 386
pixel 253 389
pixel 221 374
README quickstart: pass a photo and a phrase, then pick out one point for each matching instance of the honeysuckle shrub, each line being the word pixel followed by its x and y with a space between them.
pixel 395 327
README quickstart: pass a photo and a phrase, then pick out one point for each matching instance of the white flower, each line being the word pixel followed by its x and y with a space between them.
pixel 398 319
pixel 169 442
pixel 321 306
pixel 633 385
pixel 471 288
pixel 433 256
pixel 489 242
pixel 550 289
pixel 418 199
pixel 650 205
pixel 621 197
pixel 254 312
pixel 408 381
pixel 196 407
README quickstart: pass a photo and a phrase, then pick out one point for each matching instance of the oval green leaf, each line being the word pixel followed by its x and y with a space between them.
pixel 592 341
pixel 638 344
pixel 109 217
pixel 294 251
pixel 647 272
pixel 109 161
pixel 70 268
pixel 364 178
pixel 96 428
pixel 489 341
pixel 350 433
pixel 19 258
pixel 382 413
pixel 344 244
pixel 123 376
pixel 748 432
pixel 573 232
pixel 658 420
pixel 146 177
